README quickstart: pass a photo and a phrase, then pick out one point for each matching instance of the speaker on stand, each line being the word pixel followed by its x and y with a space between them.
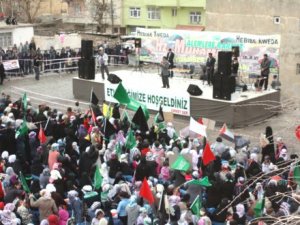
pixel 86 65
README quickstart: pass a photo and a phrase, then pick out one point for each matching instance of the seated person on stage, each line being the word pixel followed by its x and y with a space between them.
pixel 257 85
pixel 275 83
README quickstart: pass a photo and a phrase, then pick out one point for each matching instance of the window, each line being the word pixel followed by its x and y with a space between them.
pixel 5 40
pixel 153 13
pixel 276 20
pixel 298 69
pixel 135 12
pixel 174 12
pixel 195 17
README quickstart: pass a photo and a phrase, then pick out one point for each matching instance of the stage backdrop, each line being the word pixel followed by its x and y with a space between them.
pixel 191 47
pixel 176 103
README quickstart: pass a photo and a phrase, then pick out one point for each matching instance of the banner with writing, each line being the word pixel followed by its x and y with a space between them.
pixel 192 47
pixel 177 104
pixel 11 64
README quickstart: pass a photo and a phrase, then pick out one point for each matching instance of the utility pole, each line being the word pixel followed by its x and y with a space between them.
pixel 112 16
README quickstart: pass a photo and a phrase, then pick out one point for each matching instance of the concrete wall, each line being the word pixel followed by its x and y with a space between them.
pixel 22 34
pixel 257 17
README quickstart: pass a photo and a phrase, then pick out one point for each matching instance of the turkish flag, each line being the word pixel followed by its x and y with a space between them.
pixel 42 136
pixel 208 155
pixel 146 192
pixel 297 132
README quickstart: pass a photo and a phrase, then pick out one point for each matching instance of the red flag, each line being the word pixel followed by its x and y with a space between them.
pixel 42 136
pixel 146 192
pixel 208 155
pixel 200 120
pixel 297 132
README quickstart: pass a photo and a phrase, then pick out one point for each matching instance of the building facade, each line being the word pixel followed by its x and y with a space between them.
pixel 171 14
pixel 264 17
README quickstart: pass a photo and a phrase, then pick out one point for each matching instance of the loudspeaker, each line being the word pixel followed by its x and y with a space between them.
pixel 194 90
pixel 235 51
pixel 86 69
pixel 224 63
pixel 138 43
pixel 87 49
pixel 223 86
pixel 113 78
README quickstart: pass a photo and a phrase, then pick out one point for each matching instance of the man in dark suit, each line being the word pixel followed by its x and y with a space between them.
pixel 170 58
pixel 210 66
pixel 265 71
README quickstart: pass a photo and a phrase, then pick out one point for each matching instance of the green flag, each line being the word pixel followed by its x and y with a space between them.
pixel 122 96
pixel 203 182
pixel 196 206
pixel 130 140
pixel 97 178
pixel 23 129
pixel 118 149
pixel 296 174
pixel 259 207
pixel 181 164
pixel 24 183
pixel 24 102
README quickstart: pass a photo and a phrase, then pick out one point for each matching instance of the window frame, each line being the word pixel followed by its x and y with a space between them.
pixel 195 15
pixel 135 10
pixel 154 13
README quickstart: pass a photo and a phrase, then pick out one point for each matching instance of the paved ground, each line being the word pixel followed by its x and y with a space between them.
pixel 56 91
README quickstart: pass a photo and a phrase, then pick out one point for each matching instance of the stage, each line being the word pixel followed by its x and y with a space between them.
pixel 244 109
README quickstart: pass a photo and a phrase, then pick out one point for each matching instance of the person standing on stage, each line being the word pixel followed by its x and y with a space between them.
pixel 170 58
pixel 210 67
pixel 103 62
pixel 165 72
pixel 265 71
pixel 235 69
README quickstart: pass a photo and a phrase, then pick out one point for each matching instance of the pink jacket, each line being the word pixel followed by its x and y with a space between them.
pixel 63 216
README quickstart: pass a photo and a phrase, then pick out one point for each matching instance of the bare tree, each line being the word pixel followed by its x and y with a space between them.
pixel 27 9
pixel 98 9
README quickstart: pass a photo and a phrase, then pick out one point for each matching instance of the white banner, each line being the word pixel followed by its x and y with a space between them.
pixel 11 64
pixel 177 104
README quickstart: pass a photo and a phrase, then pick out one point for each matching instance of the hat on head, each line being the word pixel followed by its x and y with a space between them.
pixel 114 213
pixel 87 188
pixel 195 175
pixel 53 219
pixel 32 134
pixel 54 146
pixel 123 158
pixel 95 205
pixel 51 188
pixel 12 158
pixel 72 193
pixel 55 175
pixel 4 155
pixel 98 211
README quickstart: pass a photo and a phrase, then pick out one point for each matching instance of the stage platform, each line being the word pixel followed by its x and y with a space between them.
pixel 244 109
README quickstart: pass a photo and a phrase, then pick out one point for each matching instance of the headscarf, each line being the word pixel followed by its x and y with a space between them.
pixel 240 210
pixel 120 137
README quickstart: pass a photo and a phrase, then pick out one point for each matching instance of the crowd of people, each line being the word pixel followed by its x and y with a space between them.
pixel 31 58
pixel 49 168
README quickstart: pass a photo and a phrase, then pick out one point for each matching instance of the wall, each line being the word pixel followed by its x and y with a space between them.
pixel 69 40
pixel 256 17
pixel 22 34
